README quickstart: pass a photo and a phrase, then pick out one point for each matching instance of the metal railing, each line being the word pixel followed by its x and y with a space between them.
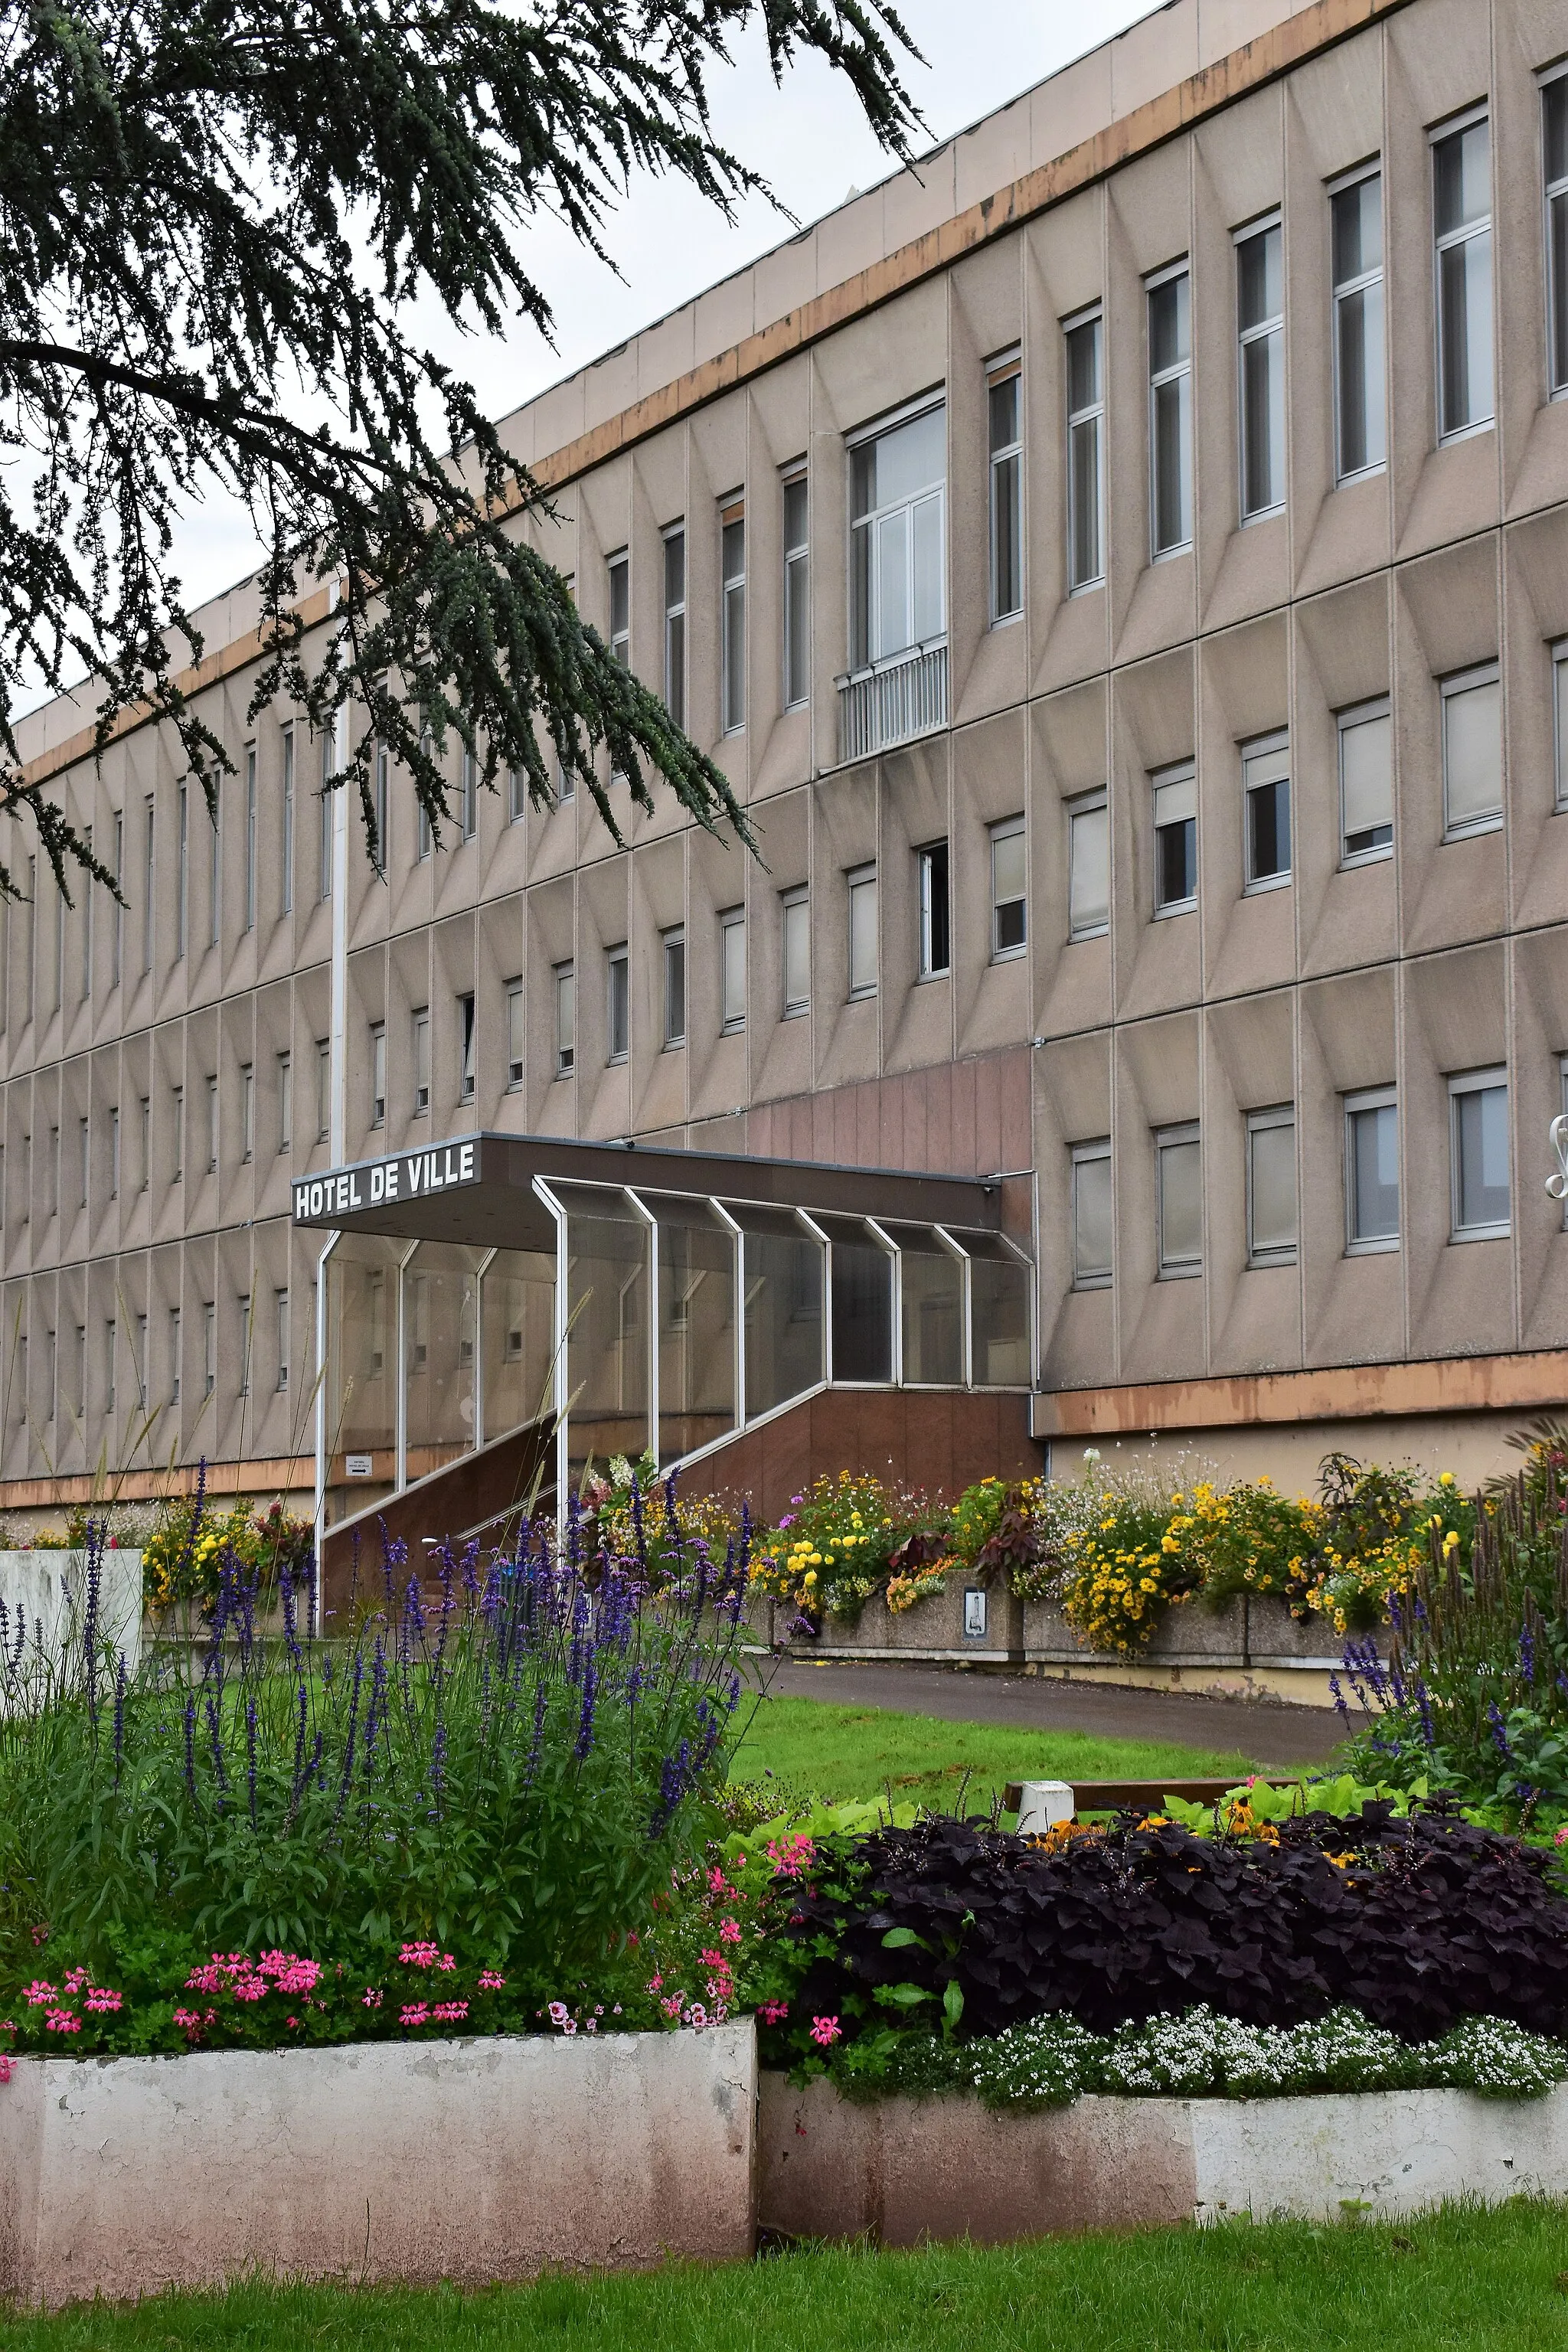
pixel 894 700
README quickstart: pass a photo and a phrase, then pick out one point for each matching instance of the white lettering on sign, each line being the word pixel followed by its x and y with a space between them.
pixel 339 1195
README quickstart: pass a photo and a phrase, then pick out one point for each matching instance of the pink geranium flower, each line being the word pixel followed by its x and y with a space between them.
pixel 826 2030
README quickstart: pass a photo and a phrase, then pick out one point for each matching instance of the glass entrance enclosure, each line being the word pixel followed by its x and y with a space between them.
pixel 643 1318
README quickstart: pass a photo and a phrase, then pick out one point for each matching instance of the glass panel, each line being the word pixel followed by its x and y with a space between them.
pixel 1172 501
pixel 1089 878
pixel 1374 1173
pixel 863 937
pixel 1084 496
pixel 1472 753
pixel 1260 278
pixel 797 954
pixel 900 464
pixel 1083 367
pixel 1464 177
pixel 1009 866
pixel 1482 1117
pixel 1263 423
pixel 782 1278
pixel 1092 1231
pixel 1363 436
pixel 517 1317
pixel 1176 800
pixel 1181 1205
pixel 930 603
pixel 1273 1189
pixel 797 629
pixel 361 1343
pixel 1169 341
pixel 440 1328
pixel 1357 229
pixel 607 1342
pixel 933 1283
pixel 862 1302
pixel 696 1325
pixel 1366 773
pixel 794 513
pixel 892 633
pixel 1002 1356
pixel 1006 527
pixel 1004 408
pixel 732 951
pixel 1557 224
pixel 1466 273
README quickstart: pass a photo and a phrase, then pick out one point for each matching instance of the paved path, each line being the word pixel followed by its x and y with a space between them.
pixel 1272 1734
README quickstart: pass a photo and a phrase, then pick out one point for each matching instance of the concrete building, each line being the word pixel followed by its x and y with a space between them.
pixel 1124 569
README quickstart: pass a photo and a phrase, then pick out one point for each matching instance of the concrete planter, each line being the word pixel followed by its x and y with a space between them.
pixel 1252 1648
pixel 950 1626
pixel 904 2170
pixel 470 2160
pixel 49 1588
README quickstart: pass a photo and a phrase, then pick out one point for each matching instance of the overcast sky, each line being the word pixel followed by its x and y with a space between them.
pixel 810 142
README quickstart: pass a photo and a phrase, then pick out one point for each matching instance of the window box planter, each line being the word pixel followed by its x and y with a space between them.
pixel 468 2160
pixel 904 2171
pixel 1252 1647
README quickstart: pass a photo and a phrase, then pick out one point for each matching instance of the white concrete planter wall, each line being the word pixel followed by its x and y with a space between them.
pixel 49 1589
pixel 904 2170
pixel 470 2161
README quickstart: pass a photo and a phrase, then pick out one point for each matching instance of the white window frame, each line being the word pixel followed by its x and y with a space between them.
pixel 732 618
pixel 1260 1122
pixel 1167 1139
pixel 516 1040
pixel 285 1107
pixel 1367 1245
pixel 1465 681
pixel 247 1110
pixel 1263 747
pixel 1265 331
pixel 382 804
pixel 794 1007
pixel 795 555
pixel 934 857
pixel 923 406
pixel 732 925
pixel 617 973
pixel 1084 1155
pixel 1157 380
pixel 1475 1082
pixel 249 844
pixel 673 537
pixel 1443 243
pixel 1007 367
pixel 1010 828
pixel 1359 714
pixel 564 977
pixel 672 961
pixel 1554 77
pixel 857 879
pixel 419 1034
pixel 280 1320
pixel 1343 290
pixel 1179 772
pixel 467 1028
pixel 1559 724
pixel 1088 805
pixel 1563 1104
pixel 1078 420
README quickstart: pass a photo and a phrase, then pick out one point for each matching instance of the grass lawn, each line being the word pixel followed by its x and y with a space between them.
pixel 843 1752
pixel 1457 2281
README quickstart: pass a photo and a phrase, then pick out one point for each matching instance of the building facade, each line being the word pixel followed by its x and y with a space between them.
pixel 1123 570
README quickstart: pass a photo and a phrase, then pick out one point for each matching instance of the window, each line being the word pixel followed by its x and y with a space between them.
pixel 280 1312
pixel 421 1061
pixel 1559 723
pixel 796 593
pixel 1178 1172
pixel 515 795
pixel 144 1110
pixel 1272 1186
pixel 215 866
pixel 935 949
pixel 732 969
pixel 1371 1171
pixel 1266 799
pixel 245 1343
pixel 1366 782
pixel 140 1367
pixel 620 572
pixel 285 1102
pixel 114 1156
pixel 378 1074
pixel 1361 414
pixel 1462 215
pixel 174 1355
pixel 250 836
pixel 1554 158
pixel 79 1368
pixel 182 872
pixel 1478 1154
pixel 118 909
pixel 466 1046
pixel 862 886
pixel 566 1020
pixel 1004 390
pixel 1089 867
pixel 324 1090
pixel 897 497
pixel 469 785
pixel 88 913
pixel 383 800
pixel 212 1127
pixel 109 1351
pixel 675 622
pixel 209 1348
pixel 618 1008
pixel 1086 441
pixel 1175 840
pixel 82 1141
pixel 51 1376
pixel 1009 889
pixel 1472 752
pixel 1169 412
pixel 1092 1223
pixel 795 908
pixel 246 1111
pixel 675 987
pixel 324 815
pixel 1260 333
pixel 285 877
pixel 177 1127
pixel 514 1035
pixel 732 630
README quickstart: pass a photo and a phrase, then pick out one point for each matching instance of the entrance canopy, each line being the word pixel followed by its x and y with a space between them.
pixel 647 1298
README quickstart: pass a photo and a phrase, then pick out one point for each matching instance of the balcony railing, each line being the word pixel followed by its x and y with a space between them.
pixel 903 695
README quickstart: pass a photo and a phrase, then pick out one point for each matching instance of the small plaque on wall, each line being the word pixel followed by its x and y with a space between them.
pixel 358 1465
pixel 974 1613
